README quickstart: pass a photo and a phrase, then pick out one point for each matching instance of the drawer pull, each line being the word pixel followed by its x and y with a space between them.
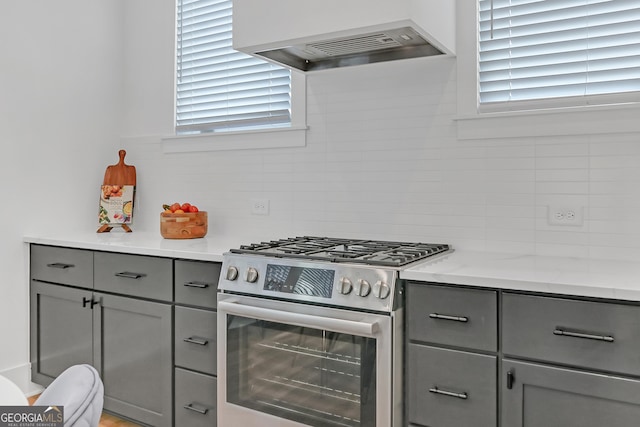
pixel 462 319
pixel 191 407
pixel 201 285
pixel 194 340
pixel 437 390
pixel 60 265
pixel 128 275
pixel 576 334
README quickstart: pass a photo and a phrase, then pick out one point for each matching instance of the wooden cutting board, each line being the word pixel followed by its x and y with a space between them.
pixel 119 174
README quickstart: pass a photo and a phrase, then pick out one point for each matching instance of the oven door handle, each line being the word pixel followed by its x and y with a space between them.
pixel 351 327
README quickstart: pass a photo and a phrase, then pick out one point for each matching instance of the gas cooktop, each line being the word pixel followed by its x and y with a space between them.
pixel 357 251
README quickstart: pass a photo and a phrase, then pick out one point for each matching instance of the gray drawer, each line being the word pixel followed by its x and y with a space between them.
pixel 195 399
pixel 449 388
pixel 134 275
pixel 195 339
pixel 453 316
pixel 197 282
pixel 589 334
pixel 62 265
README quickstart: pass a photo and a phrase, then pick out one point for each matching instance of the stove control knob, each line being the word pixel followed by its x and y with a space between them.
pixel 232 273
pixel 381 289
pixel 251 275
pixel 362 288
pixel 344 286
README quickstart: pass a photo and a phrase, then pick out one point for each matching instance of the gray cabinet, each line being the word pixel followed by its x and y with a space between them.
pixel 482 357
pixel 195 399
pixel 603 336
pixel 450 388
pixel 132 348
pixel 195 343
pixel 128 338
pixel 61 330
pixel 579 362
pixel 451 362
pixel 540 395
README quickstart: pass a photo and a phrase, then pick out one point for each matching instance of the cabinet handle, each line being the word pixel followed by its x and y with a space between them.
pixel 194 340
pixel 85 301
pixel 90 301
pixel 191 407
pixel 511 377
pixel 437 390
pixel 575 334
pixel 462 319
pixel 60 265
pixel 128 275
pixel 196 285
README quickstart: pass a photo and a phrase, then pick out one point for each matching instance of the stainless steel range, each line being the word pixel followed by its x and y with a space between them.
pixel 310 332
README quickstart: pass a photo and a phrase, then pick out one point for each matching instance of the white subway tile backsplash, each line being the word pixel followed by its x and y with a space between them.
pixel 562 149
pixel 559 175
pixel 569 162
pixel 517 163
pixel 382 160
pixel 562 187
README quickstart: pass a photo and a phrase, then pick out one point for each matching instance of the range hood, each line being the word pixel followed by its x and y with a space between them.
pixel 314 35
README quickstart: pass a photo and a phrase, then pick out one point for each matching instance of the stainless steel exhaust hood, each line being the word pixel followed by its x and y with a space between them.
pixel 323 34
pixel 377 46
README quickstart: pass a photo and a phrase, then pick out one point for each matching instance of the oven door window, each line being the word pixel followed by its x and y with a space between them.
pixel 315 377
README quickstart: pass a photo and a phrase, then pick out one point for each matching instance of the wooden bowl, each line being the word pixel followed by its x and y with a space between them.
pixel 183 225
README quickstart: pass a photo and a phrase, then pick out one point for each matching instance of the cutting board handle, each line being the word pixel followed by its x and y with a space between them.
pixel 121 153
pixel 120 173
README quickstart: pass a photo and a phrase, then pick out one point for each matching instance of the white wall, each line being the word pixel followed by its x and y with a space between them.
pixel 60 99
pixel 384 160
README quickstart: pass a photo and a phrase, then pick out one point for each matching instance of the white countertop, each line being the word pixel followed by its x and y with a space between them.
pixel 558 275
pixel 208 248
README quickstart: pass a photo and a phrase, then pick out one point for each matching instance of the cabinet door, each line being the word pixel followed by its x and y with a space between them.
pixel 196 283
pixel 452 316
pixel 450 388
pixel 195 399
pixel 61 330
pixel 545 396
pixel 133 348
pixel 195 339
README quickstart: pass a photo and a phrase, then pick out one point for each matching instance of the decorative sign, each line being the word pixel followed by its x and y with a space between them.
pixel 116 204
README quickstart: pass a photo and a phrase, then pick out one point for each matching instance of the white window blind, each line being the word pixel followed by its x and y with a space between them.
pixel 550 49
pixel 218 88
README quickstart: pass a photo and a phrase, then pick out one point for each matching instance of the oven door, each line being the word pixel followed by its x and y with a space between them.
pixel 290 364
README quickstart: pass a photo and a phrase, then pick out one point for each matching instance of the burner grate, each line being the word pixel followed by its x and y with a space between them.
pixel 370 252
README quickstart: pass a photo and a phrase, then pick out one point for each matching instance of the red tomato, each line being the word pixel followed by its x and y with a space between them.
pixel 174 207
pixel 192 208
pixel 185 207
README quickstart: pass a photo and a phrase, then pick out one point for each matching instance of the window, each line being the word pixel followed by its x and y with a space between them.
pixel 218 88
pixel 536 53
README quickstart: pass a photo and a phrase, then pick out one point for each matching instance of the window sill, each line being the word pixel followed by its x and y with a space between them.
pixel 246 140
pixel 621 118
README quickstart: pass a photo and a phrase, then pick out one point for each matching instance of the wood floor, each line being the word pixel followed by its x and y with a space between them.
pixel 106 420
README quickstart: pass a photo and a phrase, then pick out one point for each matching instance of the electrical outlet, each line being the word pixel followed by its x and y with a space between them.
pixel 565 215
pixel 260 206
